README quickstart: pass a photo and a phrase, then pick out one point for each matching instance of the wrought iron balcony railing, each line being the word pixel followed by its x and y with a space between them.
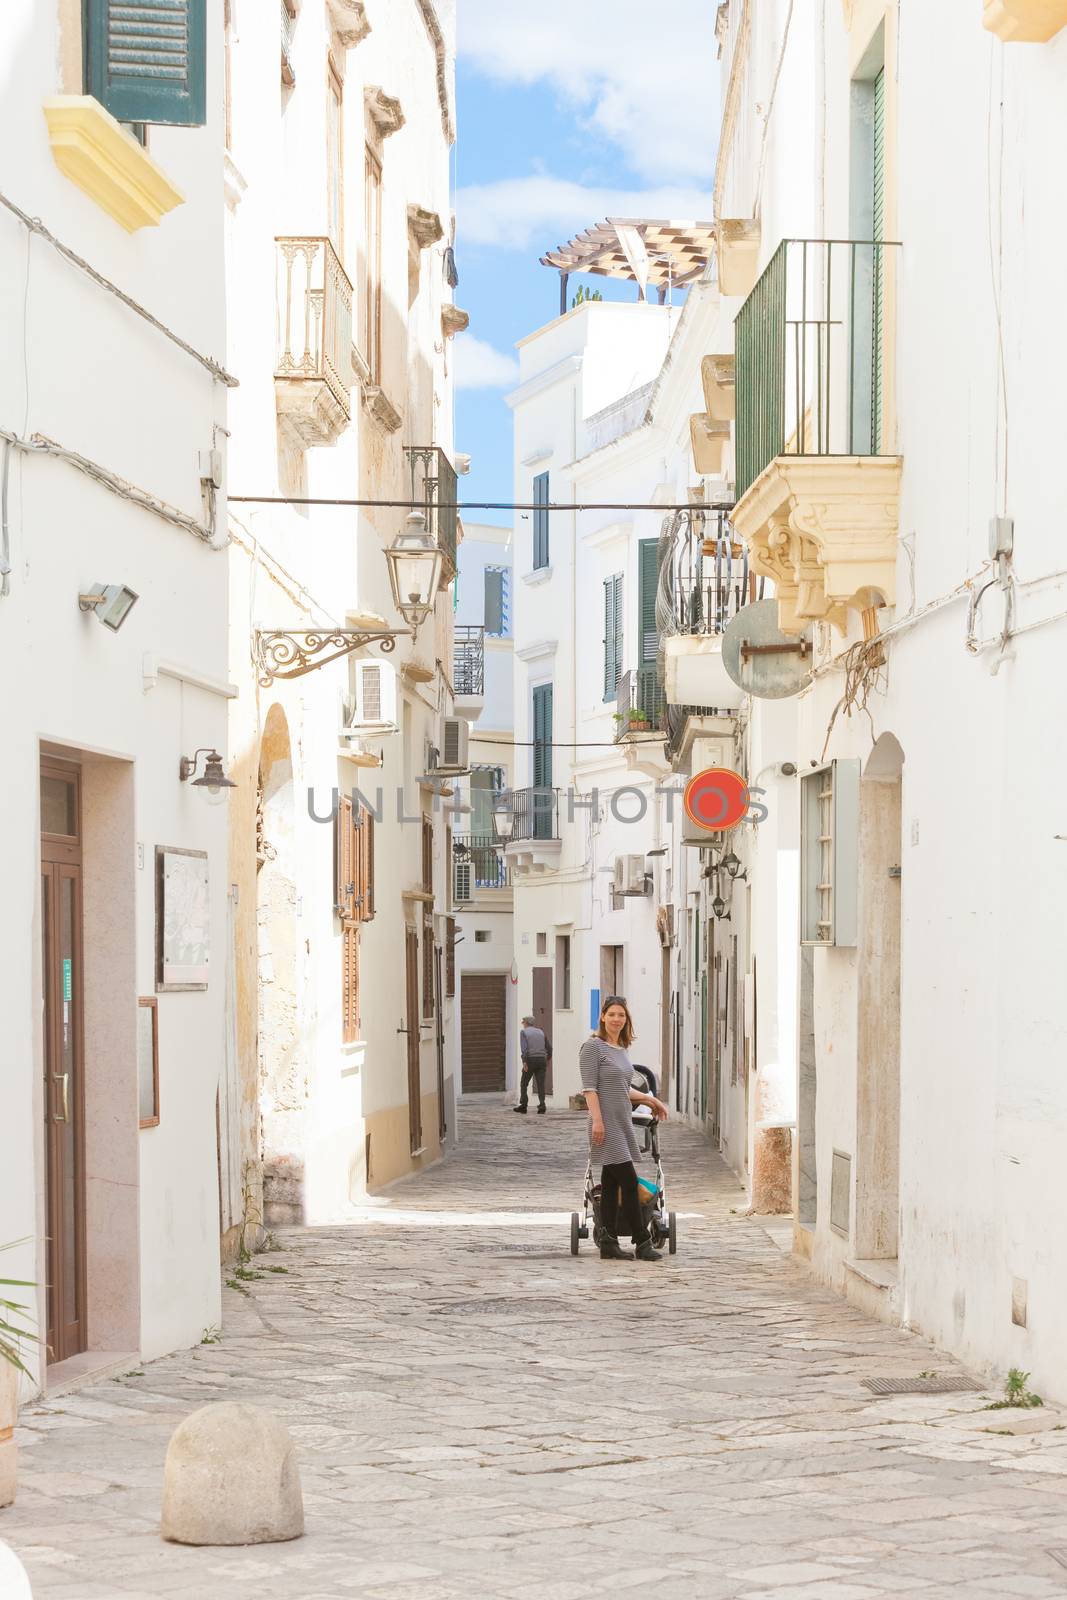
pixel 433 485
pixel 639 703
pixel 478 862
pixel 314 299
pixel 535 813
pixel 703 584
pixel 811 353
pixel 468 660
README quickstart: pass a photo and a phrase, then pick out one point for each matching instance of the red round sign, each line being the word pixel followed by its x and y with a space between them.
pixel 716 799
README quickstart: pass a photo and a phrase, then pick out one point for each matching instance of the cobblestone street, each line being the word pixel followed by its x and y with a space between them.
pixel 479 1414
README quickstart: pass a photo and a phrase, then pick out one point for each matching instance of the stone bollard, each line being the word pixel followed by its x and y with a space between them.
pixel 231 1478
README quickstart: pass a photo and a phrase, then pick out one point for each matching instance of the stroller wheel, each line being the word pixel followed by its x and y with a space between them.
pixel 576 1233
pixel 672 1234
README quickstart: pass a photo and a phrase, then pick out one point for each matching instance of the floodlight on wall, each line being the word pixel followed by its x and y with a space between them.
pixel 213 778
pixel 112 603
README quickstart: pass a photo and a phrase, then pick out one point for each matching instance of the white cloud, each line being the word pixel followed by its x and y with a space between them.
pixel 479 366
pixel 517 213
pixel 644 78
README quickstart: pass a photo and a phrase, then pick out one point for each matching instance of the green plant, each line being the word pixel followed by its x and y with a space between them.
pixel 212 1335
pixel 12 1312
pixel 1016 1393
pixel 246 1274
pixel 277 1269
pixel 638 716
pixel 584 295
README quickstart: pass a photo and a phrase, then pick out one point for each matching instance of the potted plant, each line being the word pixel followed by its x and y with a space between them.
pixel 639 722
pixel 12 1314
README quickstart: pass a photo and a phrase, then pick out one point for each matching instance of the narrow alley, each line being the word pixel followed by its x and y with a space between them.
pixel 479 1414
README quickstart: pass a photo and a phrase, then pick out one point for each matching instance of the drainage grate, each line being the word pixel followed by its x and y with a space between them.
pixel 920 1385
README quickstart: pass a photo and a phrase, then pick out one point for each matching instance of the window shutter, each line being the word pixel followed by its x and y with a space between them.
pixel 344 857
pixel 494 601
pixel 349 983
pixel 542 732
pixel 879 263
pixel 648 582
pixel 450 960
pixel 540 516
pixel 427 856
pixel 427 967
pixel 146 60
pixel 368 866
pixel 612 635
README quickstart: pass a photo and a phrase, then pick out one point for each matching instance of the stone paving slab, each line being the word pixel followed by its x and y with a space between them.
pixel 477 1413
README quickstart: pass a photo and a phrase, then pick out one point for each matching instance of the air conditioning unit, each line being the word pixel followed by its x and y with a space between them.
pixel 630 876
pixel 373 706
pixel 453 749
pixel 702 838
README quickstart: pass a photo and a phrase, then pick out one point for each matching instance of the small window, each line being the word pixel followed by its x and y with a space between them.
pixel 496 601
pixel 481 935
pixel 540 521
pixel 829 823
pixel 542 944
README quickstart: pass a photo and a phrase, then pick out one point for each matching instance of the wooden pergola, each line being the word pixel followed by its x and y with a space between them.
pixel 678 252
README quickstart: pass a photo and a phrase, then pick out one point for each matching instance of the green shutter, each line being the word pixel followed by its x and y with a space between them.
pixel 878 234
pixel 648 582
pixel 146 59
pixel 540 516
pixel 494 601
pixel 542 736
pixel 612 634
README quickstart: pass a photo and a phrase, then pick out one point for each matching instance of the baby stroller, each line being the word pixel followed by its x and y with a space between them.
pixel 662 1224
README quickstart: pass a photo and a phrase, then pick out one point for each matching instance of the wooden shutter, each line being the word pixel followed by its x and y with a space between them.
pixel 612 635
pixel 494 601
pixel 344 859
pixel 542 734
pixel 411 990
pixel 427 856
pixel 349 982
pixel 450 959
pixel 648 582
pixel 427 966
pixel 368 866
pixel 540 516
pixel 146 60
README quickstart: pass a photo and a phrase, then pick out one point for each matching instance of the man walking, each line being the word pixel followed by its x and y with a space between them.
pixel 536 1050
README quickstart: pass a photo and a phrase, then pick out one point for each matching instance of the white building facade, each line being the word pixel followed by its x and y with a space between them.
pixel 890 458
pixel 113 627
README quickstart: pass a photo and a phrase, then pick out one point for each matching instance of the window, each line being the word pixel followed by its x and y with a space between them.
pixel 153 73
pixel 496 601
pixel 829 822
pixel 648 583
pixel 563 971
pixel 482 935
pixel 540 521
pixel 485 784
pixel 612 635
pixel 542 759
pixel 450 960
pixel 334 158
pixel 542 944
pixel 372 308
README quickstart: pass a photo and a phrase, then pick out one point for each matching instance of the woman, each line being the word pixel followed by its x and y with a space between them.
pixel 606 1077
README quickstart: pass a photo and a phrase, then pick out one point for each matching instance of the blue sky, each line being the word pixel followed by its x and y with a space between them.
pixel 566 113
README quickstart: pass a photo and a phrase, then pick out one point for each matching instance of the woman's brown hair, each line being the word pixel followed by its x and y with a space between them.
pixel 627 1035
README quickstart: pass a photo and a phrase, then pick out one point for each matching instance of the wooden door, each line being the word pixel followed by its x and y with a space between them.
pixel 61 967
pixel 484 1032
pixel 542 1011
pixel 411 952
pixel 439 1040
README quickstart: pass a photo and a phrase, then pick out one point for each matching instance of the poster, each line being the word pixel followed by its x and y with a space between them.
pixel 183 918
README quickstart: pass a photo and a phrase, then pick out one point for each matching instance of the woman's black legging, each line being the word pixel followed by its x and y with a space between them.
pixel 619 1198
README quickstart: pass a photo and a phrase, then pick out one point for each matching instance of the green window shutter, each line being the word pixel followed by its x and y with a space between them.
pixel 540 516
pixel 612 634
pixel 648 582
pixel 542 732
pixel 146 60
pixel 494 601
pixel 878 331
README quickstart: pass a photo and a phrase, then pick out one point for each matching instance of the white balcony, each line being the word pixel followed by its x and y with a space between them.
pixel 313 366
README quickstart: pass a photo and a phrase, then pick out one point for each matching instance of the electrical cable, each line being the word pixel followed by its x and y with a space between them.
pixel 465 505
pixel 35 225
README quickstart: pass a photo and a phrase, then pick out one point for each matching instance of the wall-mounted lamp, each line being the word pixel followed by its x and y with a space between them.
pixel 213 777
pixel 415 560
pixel 718 905
pixel 732 864
pixel 503 819
pixel 112 603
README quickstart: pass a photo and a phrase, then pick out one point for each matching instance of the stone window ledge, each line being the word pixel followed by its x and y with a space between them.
pixel 98 155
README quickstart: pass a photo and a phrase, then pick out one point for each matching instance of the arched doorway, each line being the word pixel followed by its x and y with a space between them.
pixel 282 1074
pixel 878 1038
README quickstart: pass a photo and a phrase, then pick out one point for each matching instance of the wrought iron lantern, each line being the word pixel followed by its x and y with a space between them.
pixel 415 561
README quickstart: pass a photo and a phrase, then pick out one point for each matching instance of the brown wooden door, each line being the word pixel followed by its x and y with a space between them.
pixel 484 1032
pixel 414 1040
pixel 542 1010
pixel 61 967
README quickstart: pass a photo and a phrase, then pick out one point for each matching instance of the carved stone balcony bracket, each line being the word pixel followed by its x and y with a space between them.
pixel 454 321
pixel 383 112
pixel 294 652
pixel 824 530
pixel 1025 21
pixel 381 408
pixel 738 246
pixel 349 21
pixel 424 227
pixel 709 440
pixel 718 376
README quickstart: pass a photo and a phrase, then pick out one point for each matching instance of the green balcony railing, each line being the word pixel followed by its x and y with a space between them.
pixel 811 353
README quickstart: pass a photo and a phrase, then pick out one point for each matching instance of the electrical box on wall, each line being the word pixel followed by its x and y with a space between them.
pixel 829 854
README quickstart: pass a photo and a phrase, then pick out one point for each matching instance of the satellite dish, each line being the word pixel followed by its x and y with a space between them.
pixel 763 660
